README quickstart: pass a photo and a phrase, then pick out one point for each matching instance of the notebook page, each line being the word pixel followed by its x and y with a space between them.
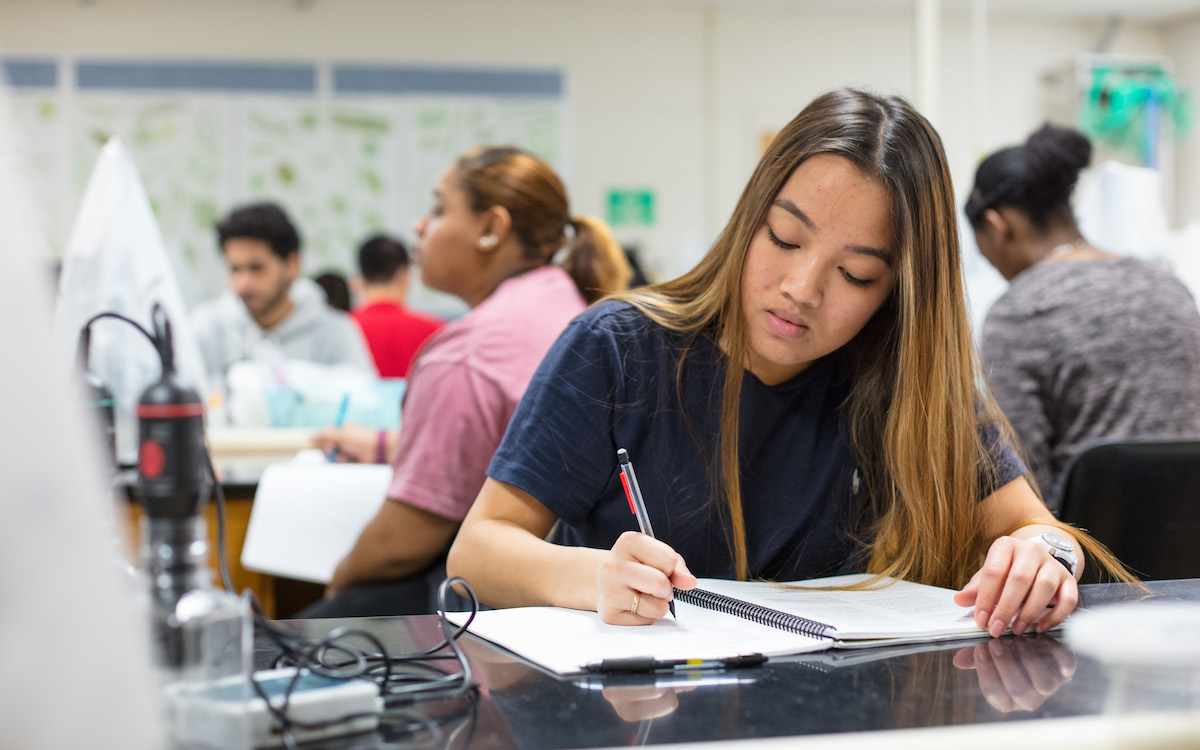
pixel 903 609
pixel 566 640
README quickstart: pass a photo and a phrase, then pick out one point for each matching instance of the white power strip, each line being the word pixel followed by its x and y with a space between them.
pixel 225 713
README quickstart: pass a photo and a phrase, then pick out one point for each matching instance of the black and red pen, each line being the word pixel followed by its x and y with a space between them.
pixel 633 493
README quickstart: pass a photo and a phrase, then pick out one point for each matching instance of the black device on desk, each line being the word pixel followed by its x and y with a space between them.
pixel 200 639
pixel 173 484
pixel 173 478
pixel 173 488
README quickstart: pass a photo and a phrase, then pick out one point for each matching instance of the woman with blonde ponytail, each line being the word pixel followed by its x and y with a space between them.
pixel 803 403
pixel 499 219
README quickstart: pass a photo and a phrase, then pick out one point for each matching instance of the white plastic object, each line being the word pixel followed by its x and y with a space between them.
pixel 1142 634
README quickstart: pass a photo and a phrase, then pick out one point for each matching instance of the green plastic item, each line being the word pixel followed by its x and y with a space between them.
pixel 1125 107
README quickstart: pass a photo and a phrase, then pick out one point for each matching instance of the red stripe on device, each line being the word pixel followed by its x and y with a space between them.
pixel 169 411
pixel 628 493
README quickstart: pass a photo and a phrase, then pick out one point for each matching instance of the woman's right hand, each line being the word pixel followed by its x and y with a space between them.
pixel 354 443
pixel 637 578
pixel 644 703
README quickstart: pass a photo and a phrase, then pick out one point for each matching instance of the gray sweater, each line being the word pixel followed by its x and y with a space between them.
pixel 313 332
pixel 1080 352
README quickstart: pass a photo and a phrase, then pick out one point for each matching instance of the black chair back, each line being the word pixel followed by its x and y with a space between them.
pixel 1142 500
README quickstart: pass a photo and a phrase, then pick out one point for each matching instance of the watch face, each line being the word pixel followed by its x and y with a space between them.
pixel 1058 541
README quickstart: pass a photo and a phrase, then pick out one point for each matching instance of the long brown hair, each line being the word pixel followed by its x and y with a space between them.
pixel 536 201
pixel 915 405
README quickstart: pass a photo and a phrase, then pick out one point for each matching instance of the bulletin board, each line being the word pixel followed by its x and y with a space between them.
pixel 347 149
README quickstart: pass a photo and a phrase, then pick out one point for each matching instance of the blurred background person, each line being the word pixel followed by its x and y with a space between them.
pixel 394 333
pixel 270 307
pixel 638 277
pixel 336 288
pixel 499 217
pixel 1084 345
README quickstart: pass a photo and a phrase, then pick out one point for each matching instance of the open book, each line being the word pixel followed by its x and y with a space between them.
pixel 721 620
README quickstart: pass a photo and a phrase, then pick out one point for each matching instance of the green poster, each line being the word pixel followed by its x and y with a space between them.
pixel 628 208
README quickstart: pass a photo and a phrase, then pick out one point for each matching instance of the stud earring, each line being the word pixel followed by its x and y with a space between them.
pixel 488 240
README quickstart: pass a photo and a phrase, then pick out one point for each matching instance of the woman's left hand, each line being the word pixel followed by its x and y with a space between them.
pixel 1017 583
pixel 354 443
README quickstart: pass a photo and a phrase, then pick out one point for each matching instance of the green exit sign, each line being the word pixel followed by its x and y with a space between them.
pixel 628 208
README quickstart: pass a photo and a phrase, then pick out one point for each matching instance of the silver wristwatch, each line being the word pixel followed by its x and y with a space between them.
pixel 1060 548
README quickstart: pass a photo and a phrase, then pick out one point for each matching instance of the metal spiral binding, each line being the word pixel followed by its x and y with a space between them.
pixel 756 613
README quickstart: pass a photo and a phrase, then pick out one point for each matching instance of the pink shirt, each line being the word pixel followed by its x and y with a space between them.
pixel 465 384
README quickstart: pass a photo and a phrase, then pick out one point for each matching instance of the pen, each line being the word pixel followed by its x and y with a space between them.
pixel 341 418
pixel 667 678
pixel 633 493
pixel 649 664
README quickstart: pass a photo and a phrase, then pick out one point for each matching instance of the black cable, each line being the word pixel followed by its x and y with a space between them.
pixel 410 724
pixel 222 551
pixel 403 680
pixel 130 321
pixel 410 684
pixel 163 339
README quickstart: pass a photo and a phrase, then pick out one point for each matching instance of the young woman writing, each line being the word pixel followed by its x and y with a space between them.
pixel 804 402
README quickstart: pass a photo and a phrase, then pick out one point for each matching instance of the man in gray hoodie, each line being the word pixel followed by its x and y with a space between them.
pixel 270 310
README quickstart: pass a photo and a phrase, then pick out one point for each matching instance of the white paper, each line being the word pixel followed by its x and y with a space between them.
pixel 900 610
pixel 307 516
pixel 567 640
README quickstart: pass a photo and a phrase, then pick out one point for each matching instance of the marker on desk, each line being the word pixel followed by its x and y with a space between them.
pixel 649 664
pixel 633 493
pixel 341 419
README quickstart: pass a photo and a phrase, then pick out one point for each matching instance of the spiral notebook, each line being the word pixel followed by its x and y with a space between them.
pixel 722 619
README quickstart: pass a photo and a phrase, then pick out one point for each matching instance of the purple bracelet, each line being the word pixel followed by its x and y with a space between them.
pixel 381 456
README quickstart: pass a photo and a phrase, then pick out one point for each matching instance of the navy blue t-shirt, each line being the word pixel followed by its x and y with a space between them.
pixel 609 382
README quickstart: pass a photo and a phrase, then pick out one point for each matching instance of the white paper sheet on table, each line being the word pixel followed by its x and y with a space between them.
pixel 307 515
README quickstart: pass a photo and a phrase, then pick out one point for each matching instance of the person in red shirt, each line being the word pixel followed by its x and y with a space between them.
pixel 393 332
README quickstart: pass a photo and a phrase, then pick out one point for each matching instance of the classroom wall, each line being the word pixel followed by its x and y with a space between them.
pixel 1183 46
pixel 671 96
pixel 633 89
pixel 1021 50
pixel 812 49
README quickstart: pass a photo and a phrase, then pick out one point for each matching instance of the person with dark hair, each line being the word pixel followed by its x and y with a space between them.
pixel 270 307
pixel 394 333
pixel 500 216
pixel 336 288
pixel 804 402
pixel 1084 345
